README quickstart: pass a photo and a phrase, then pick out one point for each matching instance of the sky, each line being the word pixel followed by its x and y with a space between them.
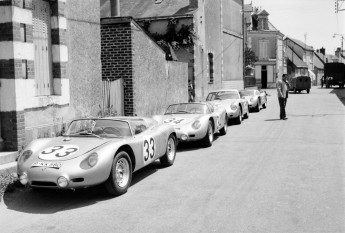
pixel 314 18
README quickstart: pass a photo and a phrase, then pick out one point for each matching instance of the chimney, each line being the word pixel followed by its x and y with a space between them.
pixel 323 51
pixel 193 4
pixel 114 8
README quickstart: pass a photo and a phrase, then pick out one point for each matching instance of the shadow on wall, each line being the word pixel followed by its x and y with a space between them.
pixel 340 92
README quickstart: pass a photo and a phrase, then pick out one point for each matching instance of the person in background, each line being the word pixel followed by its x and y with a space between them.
pixel 285 79
pixel 282 91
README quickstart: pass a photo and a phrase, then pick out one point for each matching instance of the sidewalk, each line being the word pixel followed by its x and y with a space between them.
pixel 8 162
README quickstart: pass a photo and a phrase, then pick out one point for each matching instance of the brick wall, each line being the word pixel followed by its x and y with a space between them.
pixel 116 57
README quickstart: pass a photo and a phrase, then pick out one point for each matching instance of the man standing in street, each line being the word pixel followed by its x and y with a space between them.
pixel 282 92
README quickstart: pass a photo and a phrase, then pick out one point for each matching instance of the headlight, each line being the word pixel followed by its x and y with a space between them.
pixel 196 124
pixel 90 161
pixel 23 178
pixel 233 106
pixel 25 155
pixel 62 182
pixel 252 99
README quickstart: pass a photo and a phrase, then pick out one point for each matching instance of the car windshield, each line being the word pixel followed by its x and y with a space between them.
pixel 222 95
pixel 187 108
pixel 247 92
pixel 99 128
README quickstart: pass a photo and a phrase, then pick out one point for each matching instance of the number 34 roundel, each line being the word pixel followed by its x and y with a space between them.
pixel 149 149
pixel 58 152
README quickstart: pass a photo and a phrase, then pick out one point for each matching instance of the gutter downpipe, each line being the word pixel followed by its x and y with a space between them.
pixel 114 8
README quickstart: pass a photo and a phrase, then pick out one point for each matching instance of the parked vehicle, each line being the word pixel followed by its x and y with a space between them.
pixel 95 151
pixel 256 100
pixel 195 121
pixel 236 107
pixel 337 72
pixel 300 83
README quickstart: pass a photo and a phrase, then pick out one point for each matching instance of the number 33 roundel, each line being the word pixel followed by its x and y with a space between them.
pixel 58 152
pixel 149 149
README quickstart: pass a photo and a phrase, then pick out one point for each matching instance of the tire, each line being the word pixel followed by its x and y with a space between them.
pixel 257 107
pixel 120 176
pixel 208 139
pixel 239 119
pixel 224 130
pixel 294 90
pixel 308 90
pixel 264 105
pixel 246 116
pixel 299 91
pixel 170 154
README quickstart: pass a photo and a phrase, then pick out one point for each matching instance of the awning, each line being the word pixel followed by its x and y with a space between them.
pixel 292 56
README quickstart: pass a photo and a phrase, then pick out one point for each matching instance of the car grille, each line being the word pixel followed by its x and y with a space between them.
pixel 43 184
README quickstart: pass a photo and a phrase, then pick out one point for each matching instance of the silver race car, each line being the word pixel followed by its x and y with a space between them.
pixel 255 98
pixel 236 107
pixel 195 121
pixel 95 151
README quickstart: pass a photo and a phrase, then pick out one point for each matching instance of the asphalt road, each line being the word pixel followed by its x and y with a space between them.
pixel 265 175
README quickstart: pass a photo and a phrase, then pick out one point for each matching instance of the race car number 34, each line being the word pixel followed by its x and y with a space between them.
pixel 58 152
pixel 149 149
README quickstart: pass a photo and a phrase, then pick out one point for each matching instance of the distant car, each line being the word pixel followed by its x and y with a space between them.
pixel 195 121
pixel 300 83
pixel 236 107
pixel 95 151
pixel 255 99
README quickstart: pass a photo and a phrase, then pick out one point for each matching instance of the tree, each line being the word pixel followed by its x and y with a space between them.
pixel 250 57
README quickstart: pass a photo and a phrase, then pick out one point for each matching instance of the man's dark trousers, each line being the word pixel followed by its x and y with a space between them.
pixel 282 108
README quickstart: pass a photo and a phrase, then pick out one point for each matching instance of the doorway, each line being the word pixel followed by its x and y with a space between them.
pixel 263 77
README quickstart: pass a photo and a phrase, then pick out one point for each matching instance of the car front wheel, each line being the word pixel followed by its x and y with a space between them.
pixel 170 154
pixel 224 130
pixel 120 175
pixel 208 139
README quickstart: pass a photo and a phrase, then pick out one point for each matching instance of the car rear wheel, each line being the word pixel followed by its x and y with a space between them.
pixel 208 139
pixel 308 90
pixel 120 175
pixel 224 130
pixel 169 157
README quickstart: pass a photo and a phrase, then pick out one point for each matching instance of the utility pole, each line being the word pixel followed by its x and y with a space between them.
pixel 342 42
pixel 338 5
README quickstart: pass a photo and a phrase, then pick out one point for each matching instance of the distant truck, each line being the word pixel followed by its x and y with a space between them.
pixel 335 70
pixel 300 83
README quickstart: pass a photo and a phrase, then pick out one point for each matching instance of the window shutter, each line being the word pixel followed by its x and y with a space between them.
pixel 42 44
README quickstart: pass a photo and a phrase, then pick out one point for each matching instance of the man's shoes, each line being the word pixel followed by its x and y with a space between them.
pixel 285 118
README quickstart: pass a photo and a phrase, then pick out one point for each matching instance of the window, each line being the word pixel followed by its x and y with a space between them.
pixel 22 32
pixel 210 65
pixel 263 46
pixel 24 69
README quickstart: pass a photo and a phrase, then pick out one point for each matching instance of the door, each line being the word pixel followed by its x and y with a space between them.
pixel 112 98
pixel 263 77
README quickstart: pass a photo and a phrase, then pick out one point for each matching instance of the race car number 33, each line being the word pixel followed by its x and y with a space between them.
pixel 58 152
pixel 149 149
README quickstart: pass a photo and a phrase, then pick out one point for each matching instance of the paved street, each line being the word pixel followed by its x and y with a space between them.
pixel 265 175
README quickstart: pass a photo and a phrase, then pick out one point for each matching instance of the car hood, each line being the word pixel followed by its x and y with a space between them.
pixel 66 148
pixel 225 103
pixel 180 119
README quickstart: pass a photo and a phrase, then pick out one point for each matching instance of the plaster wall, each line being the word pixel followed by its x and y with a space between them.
pixel 157 83
pixel 84 56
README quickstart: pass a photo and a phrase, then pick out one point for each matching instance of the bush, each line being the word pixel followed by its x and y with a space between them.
pixel 8 184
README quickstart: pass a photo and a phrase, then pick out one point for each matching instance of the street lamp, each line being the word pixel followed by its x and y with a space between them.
pixel 342 42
